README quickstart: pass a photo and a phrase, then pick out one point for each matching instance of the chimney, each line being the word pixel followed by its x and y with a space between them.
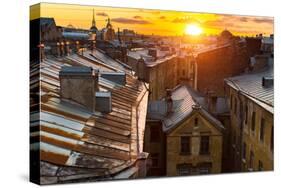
pixel 58 49
pixel 77 46
pixel 267 81
pixel 103 102
pixel 78 84
pixel 152 52
pixel 42 51
pixel 62 49
pixel 67 49
pixel 211 101
pixel 169 101
pixel 116 77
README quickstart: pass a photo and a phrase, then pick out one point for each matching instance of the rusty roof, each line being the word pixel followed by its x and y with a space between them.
pixel 75 143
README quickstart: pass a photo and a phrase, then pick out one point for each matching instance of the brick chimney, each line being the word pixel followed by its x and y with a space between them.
pixel 211 101
pixel 153 52
pixel 169 101
pixel 78 84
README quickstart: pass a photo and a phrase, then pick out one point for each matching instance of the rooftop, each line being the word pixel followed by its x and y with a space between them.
pixel 150 61
pixel 183 106
pixel 77 144
pixel 250 85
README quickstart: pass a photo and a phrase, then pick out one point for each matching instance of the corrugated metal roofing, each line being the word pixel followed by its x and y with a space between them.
pixel 76 143
pixel 250 85
pixel 183 103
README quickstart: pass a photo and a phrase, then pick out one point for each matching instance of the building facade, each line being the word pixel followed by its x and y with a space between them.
pixel 252 127
pixel 181 137
pixel 228 59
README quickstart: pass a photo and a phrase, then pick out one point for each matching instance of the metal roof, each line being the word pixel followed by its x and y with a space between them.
pixel 183 107
pixel 75 35
pixel 76 143
pixel 150 61
pixel 250 85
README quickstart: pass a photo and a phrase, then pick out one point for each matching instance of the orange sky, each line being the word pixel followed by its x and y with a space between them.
pixel 157 22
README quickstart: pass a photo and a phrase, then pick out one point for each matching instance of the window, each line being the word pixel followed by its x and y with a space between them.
pixel 251 160
pixel 154 134
pixel 253 121
pixel 204 170
pixel 272 139
pixel 235 107
pixel 262 129
pixel 231 102
pixel 185 145
pixel 204 145
pixel 244 150
pixel 155 159
pixel 184 169
pixel 246 114
pixel 234 138
pixel 196 122
pixel 260 166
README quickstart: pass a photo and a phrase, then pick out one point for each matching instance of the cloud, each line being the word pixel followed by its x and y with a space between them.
pixel 263 20
pixel 129 21
pixel 137 17
pixel 218 24
pixel 185 20
pixel 244 19
pixel 102 14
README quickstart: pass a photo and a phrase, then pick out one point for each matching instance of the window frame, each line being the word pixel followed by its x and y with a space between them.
pixel 262 129
pixel 253 122
pixel 204 143
pixel 185 148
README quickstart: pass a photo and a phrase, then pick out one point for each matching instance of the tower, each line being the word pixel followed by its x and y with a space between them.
pixel 94 28
pixel 108 25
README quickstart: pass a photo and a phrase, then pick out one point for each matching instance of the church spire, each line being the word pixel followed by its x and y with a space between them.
pixel 93 20
pixel 108 25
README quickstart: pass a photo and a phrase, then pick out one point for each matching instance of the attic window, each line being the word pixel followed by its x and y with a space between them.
pixel 267 81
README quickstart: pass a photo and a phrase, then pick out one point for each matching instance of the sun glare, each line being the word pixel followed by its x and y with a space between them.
pixel 193 29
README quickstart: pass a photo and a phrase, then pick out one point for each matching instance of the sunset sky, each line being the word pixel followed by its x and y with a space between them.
pixel 158 22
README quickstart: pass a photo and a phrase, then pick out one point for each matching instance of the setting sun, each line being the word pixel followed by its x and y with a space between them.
pixel 193 29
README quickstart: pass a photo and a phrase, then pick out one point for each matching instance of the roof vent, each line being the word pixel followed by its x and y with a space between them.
pixel 116 77
pixel 267 81
pixel 103 102
pixel 77 83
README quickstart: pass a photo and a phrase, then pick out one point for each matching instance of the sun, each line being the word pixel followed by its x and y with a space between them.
pixel 193 29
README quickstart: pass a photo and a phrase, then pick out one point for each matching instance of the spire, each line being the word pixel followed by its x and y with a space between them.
pixel 108 25
pixel 93 20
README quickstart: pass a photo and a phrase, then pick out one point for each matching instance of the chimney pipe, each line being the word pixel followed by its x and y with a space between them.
pixel 41 51
pixel 58 49
pixel 62 48
pixel 169 101
pixel 67 49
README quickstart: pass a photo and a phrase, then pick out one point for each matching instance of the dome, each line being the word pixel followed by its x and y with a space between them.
pixel 226 34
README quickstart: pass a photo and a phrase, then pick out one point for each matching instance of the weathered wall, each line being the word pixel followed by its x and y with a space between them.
pixel 261 149
pixel 187 128
pixel 215 65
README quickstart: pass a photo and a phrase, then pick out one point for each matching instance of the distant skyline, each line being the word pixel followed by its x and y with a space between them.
pixel 158 22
